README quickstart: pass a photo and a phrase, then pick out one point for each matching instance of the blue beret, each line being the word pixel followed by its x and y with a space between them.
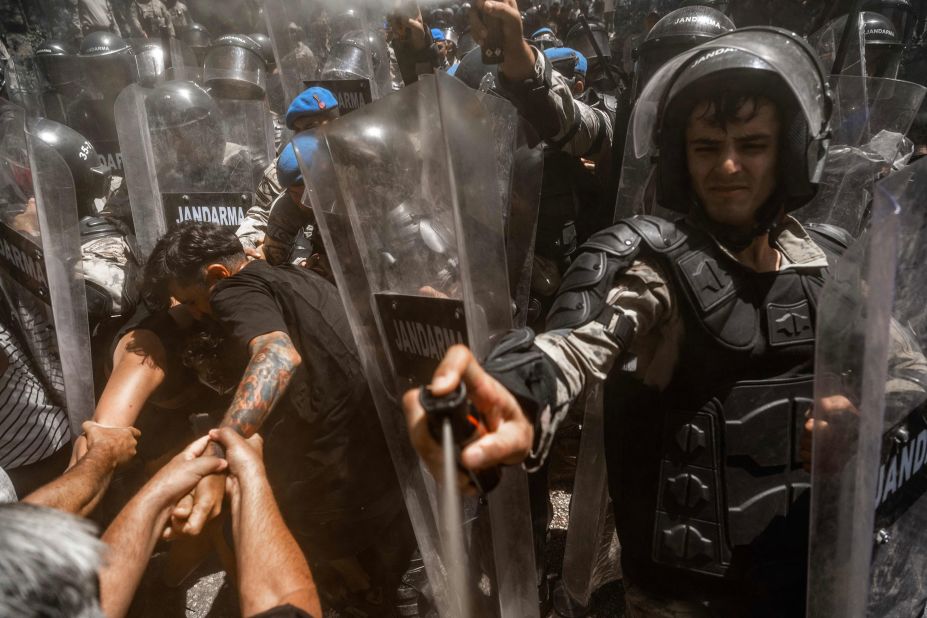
pixel 310 102
pixel 288 172
pixel 580 64
pixel 437 34
pixel 541 31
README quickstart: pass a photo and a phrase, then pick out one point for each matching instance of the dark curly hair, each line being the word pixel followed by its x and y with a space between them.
pixel 182 255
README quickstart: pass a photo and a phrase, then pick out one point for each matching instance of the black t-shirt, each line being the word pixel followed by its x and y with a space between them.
pixel 324 447
pixel 283 611
pixel 181 388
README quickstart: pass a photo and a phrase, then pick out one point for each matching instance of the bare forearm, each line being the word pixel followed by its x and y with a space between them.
pixel 273 361
pixel 271 567
pixel 131 538
pixel 79 489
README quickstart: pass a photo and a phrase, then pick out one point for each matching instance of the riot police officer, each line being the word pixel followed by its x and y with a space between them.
pixel 198 39
pixel 60 73
pixel 678 31
pixel 703 330
pixel 108 67
pixel 273 224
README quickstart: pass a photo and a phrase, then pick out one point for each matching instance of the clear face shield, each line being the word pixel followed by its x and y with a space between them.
pixel 108 75
pixel 59 71
pixel 150 63
pixel 235 73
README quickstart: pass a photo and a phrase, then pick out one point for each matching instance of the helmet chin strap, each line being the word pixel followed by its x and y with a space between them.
pixel 767 217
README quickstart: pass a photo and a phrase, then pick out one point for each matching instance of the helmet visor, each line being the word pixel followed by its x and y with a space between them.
pixel 235 72
pixel 788 55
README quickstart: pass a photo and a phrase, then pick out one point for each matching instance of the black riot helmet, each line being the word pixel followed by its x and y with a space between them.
pixel 883 45
pixel 90 175
pixel 676 32
pixel 757 61
pixel 900 12
pixel 108 62
pixel 234 68
pixel 577 39
pixel 267 49
pixel 198 39
pixel 103 43
pixel 58 63
pixel 185 119
pixel 179 105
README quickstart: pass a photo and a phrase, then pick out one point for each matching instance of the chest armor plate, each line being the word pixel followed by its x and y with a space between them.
pixel 731 419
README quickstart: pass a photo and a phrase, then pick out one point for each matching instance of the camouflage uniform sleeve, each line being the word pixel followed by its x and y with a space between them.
pixel 638 326
pixel 587 354
pixel 253 227
pixel 907 372
pixel 560 119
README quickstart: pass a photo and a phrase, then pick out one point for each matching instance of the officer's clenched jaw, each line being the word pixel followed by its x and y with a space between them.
pixel 733 163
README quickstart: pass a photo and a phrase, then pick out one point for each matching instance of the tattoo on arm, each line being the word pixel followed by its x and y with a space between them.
pixel 273 360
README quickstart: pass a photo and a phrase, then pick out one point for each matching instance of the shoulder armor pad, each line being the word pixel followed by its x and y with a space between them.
pixel 619 240
pixel 585 285
pixel 609 103
pixel 92 228
pixel 834 240
pixel 660 235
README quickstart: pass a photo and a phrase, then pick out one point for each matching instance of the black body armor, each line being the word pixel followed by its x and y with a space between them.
pixel 705 475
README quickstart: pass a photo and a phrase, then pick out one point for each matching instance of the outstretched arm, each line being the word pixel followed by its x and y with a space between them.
pixel 133 534
pixel 274 358
pixel 80 488
pixel 272 570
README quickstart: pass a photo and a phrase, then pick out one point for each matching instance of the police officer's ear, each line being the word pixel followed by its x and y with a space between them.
pixel 216 273
pixel 579 86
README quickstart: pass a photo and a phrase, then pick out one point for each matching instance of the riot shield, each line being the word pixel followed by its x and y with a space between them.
pixel 188 157
pixel 339 49
pixel 868 503
pixel 582 568
pixel 406 195
pixel 40 251
pixel 870 118
pixel 826 42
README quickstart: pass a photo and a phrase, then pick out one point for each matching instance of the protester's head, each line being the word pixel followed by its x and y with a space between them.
pixel 49 562
pixel 188 261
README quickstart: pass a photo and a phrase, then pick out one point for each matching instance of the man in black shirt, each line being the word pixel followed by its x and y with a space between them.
pixel 304 389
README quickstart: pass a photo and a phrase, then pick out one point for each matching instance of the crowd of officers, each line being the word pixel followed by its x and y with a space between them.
pixel 238 337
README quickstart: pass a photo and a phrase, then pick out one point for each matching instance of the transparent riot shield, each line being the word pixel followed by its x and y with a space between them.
pixel 520 166
pixel 636 190
pixel 407 198
pixel 162 59
pixel 340 48
pixel 870 118
pixel 826 42
pixel 583 570
pixel 189 157
pixel 869 509
pixel 40 252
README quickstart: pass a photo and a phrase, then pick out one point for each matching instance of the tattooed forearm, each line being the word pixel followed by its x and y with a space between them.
pixel 273 360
